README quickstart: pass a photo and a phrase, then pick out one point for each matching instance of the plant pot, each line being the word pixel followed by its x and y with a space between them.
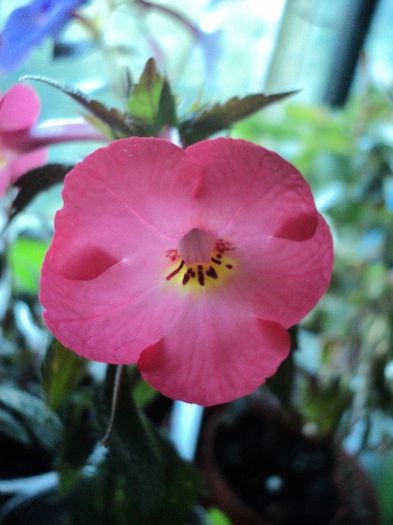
pixel 262 470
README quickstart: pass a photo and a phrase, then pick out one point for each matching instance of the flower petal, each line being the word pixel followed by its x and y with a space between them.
pixel 280 279
pixel 109 317
pixel 104 287
pixel 19 108
pixel 248 189
pixel 152 178
pixel 26 162
pixel 4 179
pixel 94 215
pixel 214 353
pixel 103 279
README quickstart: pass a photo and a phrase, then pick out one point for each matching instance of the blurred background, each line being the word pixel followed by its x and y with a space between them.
pixel 333 400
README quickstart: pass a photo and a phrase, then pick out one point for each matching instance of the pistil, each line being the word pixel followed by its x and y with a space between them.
pixel 200 274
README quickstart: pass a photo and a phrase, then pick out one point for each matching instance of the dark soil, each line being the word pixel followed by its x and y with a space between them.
pixel 277 471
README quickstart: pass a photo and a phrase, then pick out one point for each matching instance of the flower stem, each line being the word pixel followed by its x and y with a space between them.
pixel 147 5
pixel 57 132
pixel 52 132
pixel 115 398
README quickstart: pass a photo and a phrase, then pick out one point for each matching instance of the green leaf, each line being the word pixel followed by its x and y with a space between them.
pixel 25 259
pixel 282 382
pixel 62 371
pixel 143 393
pixel 167 107
pixel 217 517
pixel 79 437
pixel 139 480
pixel 34 182
pixel 148 479
pixel 323 404
pixel 41 423
pixel 380 466
pixel 151 100
pixel 62 374
pixel 11 427
pixel 145 96
pixel 210 120
pixel 121 125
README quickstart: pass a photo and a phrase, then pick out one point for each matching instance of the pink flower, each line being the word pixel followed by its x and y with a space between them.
pixel 191 264
pixel 19 109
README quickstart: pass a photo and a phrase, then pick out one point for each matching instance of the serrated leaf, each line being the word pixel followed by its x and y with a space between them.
pixel 210 120
pixel 62 371
pixel 34 182
pixel 145 95
pixel 120 124
pixel 151 99
pixel 167 108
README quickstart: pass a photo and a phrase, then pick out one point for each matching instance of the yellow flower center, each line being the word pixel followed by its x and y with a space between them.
pixel 201 274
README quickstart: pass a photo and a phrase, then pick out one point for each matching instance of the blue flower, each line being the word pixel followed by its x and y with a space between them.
pixel 27 26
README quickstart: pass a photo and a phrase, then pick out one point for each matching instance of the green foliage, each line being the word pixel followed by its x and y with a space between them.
pixel 151 100
pixel 118 124
pixel 211 119
pixel 143 393
pixel 62 371
pixel 346 154
pixel 34 182
pixel 148 479
pixel 41 427
pixel 332 397
pixel 150 106
pixel 25 259
pixel 141 480
pixel 381 468
pixel 78 440
pixel 217 517
pixel 12 428
pixel 281 383
pixel 62 375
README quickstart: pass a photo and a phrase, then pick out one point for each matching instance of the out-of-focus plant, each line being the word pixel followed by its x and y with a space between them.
pixel 343 384
pixel 94 484
pixel 55 407
pixel 29 25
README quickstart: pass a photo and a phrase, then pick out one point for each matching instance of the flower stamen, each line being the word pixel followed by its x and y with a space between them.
pixel 176 271
pixel 211 272
pixel 201 275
